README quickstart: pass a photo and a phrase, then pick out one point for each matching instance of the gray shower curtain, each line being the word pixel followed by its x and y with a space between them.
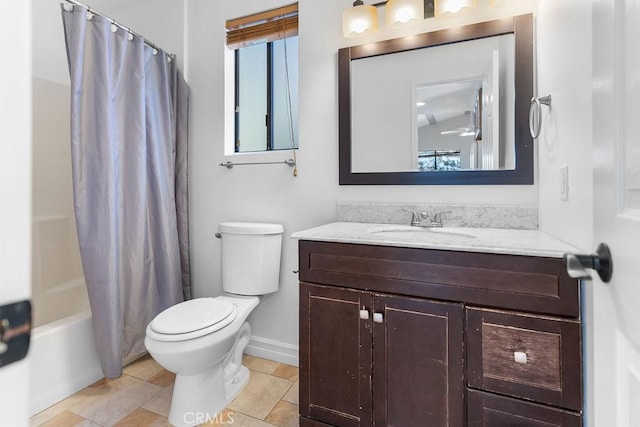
pixel 129 157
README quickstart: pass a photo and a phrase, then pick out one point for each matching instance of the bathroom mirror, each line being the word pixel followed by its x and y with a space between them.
pixel 445 107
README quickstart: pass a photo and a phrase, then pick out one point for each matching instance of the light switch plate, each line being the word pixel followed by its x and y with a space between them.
pixel 564 183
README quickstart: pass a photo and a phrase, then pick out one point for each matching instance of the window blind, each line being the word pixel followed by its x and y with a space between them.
pixel 262 27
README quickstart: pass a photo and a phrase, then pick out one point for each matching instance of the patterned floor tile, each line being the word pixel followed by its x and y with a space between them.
pixel 142 417
pixel 287 372
pixel 142 397
pixel 143 368
pixel 115 400
pixel 285 414
pixel 260 365
pixel 292 394
pixel 261 395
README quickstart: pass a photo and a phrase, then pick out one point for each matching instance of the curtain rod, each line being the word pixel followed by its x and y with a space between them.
pixel 117 24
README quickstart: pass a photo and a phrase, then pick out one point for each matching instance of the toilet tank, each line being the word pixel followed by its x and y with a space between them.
pixel 250 257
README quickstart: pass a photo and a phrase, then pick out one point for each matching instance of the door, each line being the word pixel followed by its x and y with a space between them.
pixel 15 192
pixel 335 355
pixel 417 363
pixel 615 319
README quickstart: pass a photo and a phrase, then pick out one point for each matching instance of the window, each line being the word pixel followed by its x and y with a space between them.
pixel 439 160
pixel 266 80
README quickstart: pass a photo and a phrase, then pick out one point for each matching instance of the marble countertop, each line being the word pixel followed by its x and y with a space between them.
pixel 488 240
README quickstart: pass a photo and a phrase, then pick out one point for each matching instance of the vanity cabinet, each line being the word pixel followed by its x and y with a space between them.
pixel 368 350
pixel 393 336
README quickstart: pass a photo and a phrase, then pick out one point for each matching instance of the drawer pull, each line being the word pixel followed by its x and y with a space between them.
pixel 364 314
pixel 520 357
pixel 377 317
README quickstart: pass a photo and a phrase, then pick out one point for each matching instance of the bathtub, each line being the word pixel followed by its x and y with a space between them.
pixel 62 360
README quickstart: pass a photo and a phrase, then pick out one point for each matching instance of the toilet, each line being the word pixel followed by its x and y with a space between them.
pixel 202 340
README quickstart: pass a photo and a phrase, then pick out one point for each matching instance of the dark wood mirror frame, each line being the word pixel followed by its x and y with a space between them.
pixel 522 27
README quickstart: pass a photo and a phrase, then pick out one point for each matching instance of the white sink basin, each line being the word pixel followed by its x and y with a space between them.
pixel 405 231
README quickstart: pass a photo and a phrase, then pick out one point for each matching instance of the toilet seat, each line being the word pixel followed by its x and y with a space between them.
pixel 192 319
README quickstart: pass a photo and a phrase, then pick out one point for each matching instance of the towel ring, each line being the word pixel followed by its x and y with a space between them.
pixel 535 114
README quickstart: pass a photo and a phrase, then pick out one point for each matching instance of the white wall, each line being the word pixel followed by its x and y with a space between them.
pixel 15 181
pixel 564 70
pixel 271 193
pixel 565 59
pixel 161 21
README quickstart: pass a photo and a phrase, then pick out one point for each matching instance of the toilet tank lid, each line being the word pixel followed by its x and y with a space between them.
pixel 250 228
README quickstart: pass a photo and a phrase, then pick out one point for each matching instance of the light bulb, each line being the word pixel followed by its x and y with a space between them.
pixel 359 20
pixel 359 26
pixel 444 8
pixel 400 13
pixel 503 3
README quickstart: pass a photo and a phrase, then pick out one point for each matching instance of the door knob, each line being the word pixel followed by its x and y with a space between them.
pixel 601 262
pixel 15 331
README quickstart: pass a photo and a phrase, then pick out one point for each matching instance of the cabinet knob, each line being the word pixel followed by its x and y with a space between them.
pixel 377 317
pixel 364 314
pixel 520 357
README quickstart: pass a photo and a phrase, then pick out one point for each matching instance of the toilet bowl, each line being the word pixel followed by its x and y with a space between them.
pixel 202 340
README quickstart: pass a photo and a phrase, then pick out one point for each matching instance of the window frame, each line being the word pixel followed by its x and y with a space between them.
pixel 270 116
pixel 263 28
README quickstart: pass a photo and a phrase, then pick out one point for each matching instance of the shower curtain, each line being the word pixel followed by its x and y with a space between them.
pixel 129 159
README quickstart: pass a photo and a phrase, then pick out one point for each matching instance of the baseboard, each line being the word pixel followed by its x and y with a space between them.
pixel 273 350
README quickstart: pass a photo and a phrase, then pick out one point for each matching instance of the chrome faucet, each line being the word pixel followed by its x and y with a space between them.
pixel 424 220
pixel 415 221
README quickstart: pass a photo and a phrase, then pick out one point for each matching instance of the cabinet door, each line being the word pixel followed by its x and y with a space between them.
pixel 417 363
pixel 335 355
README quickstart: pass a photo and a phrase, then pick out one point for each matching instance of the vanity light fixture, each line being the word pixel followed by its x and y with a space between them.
pixel 447 8
pixel 362 19
pixel 359 20
pixel 503 3
pixel 404 12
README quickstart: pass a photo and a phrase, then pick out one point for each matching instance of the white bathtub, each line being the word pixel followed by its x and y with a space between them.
pixel 63 360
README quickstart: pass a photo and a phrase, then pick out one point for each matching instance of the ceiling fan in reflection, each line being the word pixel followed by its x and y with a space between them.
pixel 461 132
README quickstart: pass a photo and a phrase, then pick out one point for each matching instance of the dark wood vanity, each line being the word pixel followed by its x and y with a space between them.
pixel 393 336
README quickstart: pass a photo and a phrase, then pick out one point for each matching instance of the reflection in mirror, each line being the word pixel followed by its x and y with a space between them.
pixel 449 107
pixel 449 122
pixel 446 108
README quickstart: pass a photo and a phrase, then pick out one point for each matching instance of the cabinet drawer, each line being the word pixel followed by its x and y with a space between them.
pixel 485 409
pixel 533 284
pixel 532 357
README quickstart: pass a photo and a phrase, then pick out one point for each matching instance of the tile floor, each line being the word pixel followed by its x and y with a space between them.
pixel 142 395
